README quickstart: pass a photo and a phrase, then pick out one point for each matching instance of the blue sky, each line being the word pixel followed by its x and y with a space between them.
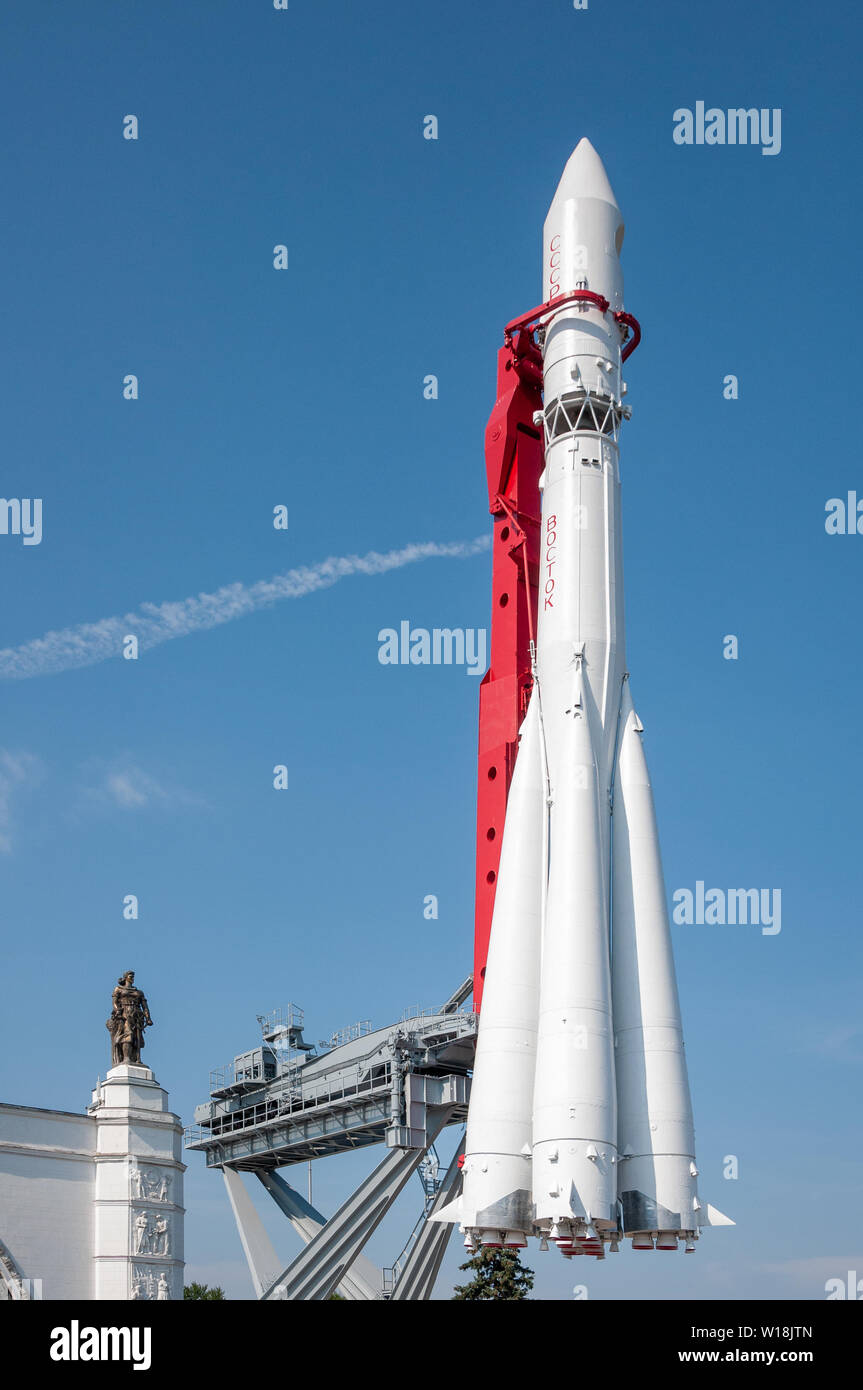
pixel 304 388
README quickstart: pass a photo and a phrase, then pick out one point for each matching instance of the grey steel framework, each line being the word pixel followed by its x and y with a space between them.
pixel 289 1101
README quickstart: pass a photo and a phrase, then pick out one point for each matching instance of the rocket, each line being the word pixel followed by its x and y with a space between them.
pixel 580 1125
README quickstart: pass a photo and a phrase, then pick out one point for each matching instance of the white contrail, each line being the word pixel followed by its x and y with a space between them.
pixel 153 623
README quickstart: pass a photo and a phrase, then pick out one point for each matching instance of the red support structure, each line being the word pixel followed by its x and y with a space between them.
pixel 514 449
pixel 514 461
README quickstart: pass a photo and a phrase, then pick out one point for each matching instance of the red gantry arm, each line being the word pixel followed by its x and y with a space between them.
pixel 514 461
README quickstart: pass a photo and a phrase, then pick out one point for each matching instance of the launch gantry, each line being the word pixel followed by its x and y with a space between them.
pixel 288 1101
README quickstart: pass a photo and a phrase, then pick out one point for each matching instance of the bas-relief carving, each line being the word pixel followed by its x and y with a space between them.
pixel 150 1284
pixel 151 1234
pixel 151 1184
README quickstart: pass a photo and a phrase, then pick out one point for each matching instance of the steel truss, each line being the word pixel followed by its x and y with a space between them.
pixel 332 1260
pixel 284 1104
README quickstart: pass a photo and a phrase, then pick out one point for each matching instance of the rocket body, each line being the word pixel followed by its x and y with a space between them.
pixel 579 670
pixel 580 1123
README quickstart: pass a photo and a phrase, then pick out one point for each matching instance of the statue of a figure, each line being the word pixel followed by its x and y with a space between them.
pixel 130 1015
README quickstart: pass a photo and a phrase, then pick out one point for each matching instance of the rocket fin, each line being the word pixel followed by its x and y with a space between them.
pixel 714 1217
pixel 450 1213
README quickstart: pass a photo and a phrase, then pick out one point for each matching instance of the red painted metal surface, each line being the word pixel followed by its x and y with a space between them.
pixel 551 307
pixel 543 311
pixel 632 323
pixel 514 460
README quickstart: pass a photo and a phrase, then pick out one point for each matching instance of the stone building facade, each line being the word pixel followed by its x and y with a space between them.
pixel 91 1205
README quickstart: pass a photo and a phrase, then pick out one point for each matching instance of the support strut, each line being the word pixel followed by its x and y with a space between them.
pixel 318 1269
pixel 417 1279
pixel 362 1282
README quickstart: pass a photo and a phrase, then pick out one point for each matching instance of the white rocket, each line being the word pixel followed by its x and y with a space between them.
pixel 580 1123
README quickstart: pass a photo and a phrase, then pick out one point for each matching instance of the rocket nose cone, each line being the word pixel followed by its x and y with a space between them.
pixel 585 176
pixel 583 233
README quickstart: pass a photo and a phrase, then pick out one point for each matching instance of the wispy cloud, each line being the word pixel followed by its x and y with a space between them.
pixel 153 623
pixel 128 786
pixel 16 769
pixel 834 1039
pixel 844 1043
pixel 126 789
pixel 816 1267
pixel 808 1278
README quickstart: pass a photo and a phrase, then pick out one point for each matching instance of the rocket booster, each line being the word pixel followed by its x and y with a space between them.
pixel 580 1123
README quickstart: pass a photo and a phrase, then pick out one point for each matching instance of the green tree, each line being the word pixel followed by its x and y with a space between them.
pixel 496 1274
pixel 202 1291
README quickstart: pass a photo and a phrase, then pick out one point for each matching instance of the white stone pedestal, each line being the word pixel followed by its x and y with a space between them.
pixel 138 1208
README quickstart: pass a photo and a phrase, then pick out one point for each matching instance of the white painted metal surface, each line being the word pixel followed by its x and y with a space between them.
pixel 497 1166
pixel 655 1129
pixel 574 1104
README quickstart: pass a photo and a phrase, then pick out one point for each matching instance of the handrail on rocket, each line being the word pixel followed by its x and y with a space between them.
pixel 533 318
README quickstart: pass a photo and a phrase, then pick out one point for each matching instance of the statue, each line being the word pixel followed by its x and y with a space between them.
pixel 130 1015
